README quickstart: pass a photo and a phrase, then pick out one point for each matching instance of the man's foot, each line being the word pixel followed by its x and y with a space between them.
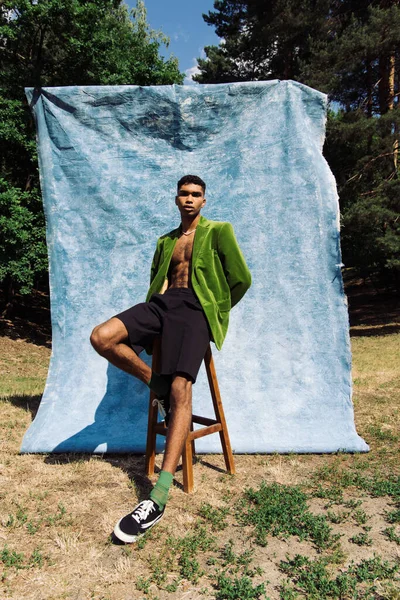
pixel 141 519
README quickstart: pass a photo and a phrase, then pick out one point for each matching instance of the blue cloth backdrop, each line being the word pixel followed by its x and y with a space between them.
pixel 109 160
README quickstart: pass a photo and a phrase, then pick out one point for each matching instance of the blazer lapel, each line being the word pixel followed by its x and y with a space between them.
pixel 169 244
pixel 199 236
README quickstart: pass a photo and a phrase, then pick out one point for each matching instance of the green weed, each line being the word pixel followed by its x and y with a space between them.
pixel 360 516
pixel 10 558
pixel 339 517
pixel 392 535
pixel 229 557
pixel 313 578
pixel 393 516
pixel 189 567
pixel 381 434
pixel 361 539
pixel 197 540
pixel 215 516
pixel 333 493
pixel 340 478
pixel 281 510
pixel 237 588
pixel 286 592
pixel 143 585
pixel 352 503
pixel 372 568
pixel 172 587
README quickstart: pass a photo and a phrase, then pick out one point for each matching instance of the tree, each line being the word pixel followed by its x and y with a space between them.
pixel 357 65
pixel 350 50
pixel 51 43
pixel 261 40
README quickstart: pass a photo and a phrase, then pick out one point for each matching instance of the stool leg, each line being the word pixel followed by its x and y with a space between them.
pixel 151 438
pixel 153 412
pixel 219 411
pixel 193 446
pixel 187 466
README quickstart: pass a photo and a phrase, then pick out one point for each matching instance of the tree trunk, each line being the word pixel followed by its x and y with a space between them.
pixel 10 295
pixel 369 88
pixel 391 82
pixel 383 86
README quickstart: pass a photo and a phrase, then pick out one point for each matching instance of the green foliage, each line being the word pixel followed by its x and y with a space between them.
pixel 236 588
pixel 361 539
pixel 10 559
pixel 281 510
pixel 350 52
pixel 339 478
pixel 58 43
pixel 313 579
pixel 391 534
pixel 393 516
pixel 215 516
pixel 370 569
pixel 23 251
pixel 262 40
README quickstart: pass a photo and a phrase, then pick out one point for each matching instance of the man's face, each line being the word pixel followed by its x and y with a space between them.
pixel 190 199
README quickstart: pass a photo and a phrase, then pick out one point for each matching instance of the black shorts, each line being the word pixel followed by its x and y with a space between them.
pixel 178 317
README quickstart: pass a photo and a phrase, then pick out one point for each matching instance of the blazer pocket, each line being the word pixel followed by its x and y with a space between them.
pixel 223 293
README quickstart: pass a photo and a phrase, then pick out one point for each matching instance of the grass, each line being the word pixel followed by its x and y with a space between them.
pixel 285 527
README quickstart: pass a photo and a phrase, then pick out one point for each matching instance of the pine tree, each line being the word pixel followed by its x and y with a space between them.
pixel 348 49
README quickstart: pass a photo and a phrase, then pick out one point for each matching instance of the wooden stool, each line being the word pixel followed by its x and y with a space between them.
pixel 210 425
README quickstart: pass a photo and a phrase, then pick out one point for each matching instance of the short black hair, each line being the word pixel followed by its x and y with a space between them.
pixel 191 179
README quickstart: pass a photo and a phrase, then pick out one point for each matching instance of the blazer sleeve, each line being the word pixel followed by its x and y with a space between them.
pixel 235 268
pixel 155 262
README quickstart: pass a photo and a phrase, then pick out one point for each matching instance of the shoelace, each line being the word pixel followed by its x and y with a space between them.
pixel 143 510
pixel 161 408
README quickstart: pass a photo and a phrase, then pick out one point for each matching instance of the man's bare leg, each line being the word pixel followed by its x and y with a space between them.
pixel 178 429
pixel 107 340
pixel 179 424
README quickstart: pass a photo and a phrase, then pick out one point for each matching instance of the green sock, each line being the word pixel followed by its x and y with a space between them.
pixel 159 384
pixel 159 493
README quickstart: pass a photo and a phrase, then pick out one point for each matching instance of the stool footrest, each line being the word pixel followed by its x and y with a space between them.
pixel 203 420
pixel 161 428
pixel 194 435
pixel 211 426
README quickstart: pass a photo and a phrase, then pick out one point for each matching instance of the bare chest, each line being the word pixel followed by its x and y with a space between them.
pixel 183 250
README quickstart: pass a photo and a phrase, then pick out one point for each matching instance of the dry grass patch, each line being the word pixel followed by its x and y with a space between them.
pixel 57 511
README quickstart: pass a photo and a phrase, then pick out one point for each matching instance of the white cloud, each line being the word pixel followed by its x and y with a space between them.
pixel 180 34
pixel 190 72
pixel 193 70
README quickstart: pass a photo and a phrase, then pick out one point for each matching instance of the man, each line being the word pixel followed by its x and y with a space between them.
pixel 198 274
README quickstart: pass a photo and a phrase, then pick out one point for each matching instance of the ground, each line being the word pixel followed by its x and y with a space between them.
pixel 285 526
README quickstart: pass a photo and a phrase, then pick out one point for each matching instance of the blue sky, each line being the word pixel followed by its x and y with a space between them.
pixel 182 22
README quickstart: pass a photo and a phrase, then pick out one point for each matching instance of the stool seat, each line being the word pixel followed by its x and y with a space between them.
pixel 210 426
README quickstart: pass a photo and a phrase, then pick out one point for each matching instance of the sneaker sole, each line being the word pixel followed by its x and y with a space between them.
pixel 130 539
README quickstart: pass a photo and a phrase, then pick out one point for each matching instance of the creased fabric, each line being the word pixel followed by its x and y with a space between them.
pixel 109 159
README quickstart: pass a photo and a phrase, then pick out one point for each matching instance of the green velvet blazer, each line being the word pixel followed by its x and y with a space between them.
pixel 219 273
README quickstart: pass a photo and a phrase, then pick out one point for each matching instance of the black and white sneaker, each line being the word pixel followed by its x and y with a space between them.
pixel 141 519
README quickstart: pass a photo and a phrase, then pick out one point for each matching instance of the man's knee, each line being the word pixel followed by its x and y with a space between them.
pixel 99 339
pixel 181 386
pixel 182 380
